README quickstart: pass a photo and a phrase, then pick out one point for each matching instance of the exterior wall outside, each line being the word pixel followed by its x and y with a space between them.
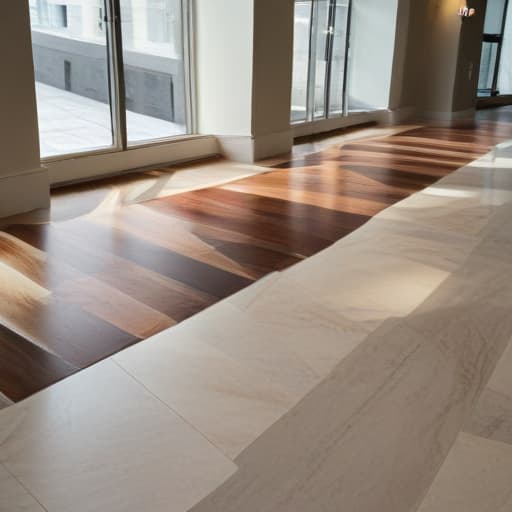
pixel 154 85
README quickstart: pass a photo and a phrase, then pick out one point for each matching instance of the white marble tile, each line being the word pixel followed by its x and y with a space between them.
pixel 4 401
pixel 99 441
pixel 227 402
pixel 253 344
pixel 13 497
pixel 439 249
pixel 492 415
pixel 374 433
pixel 501 379
pixel 245 297
pixel 318 332
pixel 476 477
pixel 462 215
pixel 361 285
pixel 461 202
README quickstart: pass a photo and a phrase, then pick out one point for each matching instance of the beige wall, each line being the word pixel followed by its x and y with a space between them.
pixel 18 123
pixel 440 68
pixel 468 65
pixel 244 70
pixel 273 59
pixel 23 185
pixel 223 51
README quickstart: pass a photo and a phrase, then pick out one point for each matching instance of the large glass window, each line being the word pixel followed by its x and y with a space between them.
pixel 154 71
pixel 109 73
pixel 491 57
pixel 301 59
pixel 320 45
pixel 343 57
pixel 72 77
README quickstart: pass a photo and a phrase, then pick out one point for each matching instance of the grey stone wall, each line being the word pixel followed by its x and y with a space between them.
pixel 154 85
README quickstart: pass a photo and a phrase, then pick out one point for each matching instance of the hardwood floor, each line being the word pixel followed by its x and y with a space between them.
pixel 76 291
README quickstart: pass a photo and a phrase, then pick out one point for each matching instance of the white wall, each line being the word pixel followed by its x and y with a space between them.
pixel 18 123
pixel 439 75
pixel 23 185
pixel 244 67
pixel 224 53
pixel 273 63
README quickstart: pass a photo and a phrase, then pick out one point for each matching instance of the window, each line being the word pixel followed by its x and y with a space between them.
pixel 343 57
pixel 109 73
pixel 154 69
pixel 493 41
pixel 320 44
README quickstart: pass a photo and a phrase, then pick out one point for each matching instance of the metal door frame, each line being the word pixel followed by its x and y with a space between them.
pixel 312 61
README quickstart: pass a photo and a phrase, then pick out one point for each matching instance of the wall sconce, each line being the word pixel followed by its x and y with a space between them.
pixel 466 12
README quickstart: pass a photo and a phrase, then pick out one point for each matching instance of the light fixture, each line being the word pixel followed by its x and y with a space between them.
pixel 466 12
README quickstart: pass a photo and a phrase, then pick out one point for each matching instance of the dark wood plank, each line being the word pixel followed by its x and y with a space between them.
pixel 25 368
pixel 76 285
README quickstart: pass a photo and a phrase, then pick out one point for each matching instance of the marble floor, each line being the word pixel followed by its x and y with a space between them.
pixel 375 375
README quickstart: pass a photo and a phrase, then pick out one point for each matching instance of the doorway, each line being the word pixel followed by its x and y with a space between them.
pixel 110 74
pixel 492 48
pixel 320 59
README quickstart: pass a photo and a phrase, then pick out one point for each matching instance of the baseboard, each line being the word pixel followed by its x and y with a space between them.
pixel 501 100
pixel 448 117
pixel 273 144
pixel 401 115
pixel 24 192
pixel 335 123
pixel 239 148
pixel 108 164
pixel 249 149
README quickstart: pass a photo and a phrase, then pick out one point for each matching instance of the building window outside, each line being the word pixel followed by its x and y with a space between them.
pixel 75 77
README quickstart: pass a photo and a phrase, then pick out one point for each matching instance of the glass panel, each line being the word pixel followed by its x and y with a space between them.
pixel 487 66
pixel 494 16
pixel 72 75
pixel 301 60
pixel 338 58
pixel 154 70
pixel 321 57
pixel 505 73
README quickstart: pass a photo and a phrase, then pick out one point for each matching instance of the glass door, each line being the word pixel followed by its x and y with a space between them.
pixel 301 46
pixel 494 28
pixel 109 73
pixel 73 76
pixel 320 57
pixel 153 69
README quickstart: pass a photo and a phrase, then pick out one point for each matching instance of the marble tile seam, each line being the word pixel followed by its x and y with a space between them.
pixel 171 409
pixel 4 400
pixel 473 478
pixel 22 486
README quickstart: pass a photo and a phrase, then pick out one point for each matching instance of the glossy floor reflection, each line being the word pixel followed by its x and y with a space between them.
pixel 372 375
pixel 114 262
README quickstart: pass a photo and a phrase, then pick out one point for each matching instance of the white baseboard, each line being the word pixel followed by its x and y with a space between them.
pixel 449 116
pixel 335 123
pixel 249 149
pixel 273 144
pixel 24 192
pixel 239 148
pixel 401 115
pixel 107 164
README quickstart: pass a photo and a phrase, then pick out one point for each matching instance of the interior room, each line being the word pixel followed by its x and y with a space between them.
pixel 256 256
